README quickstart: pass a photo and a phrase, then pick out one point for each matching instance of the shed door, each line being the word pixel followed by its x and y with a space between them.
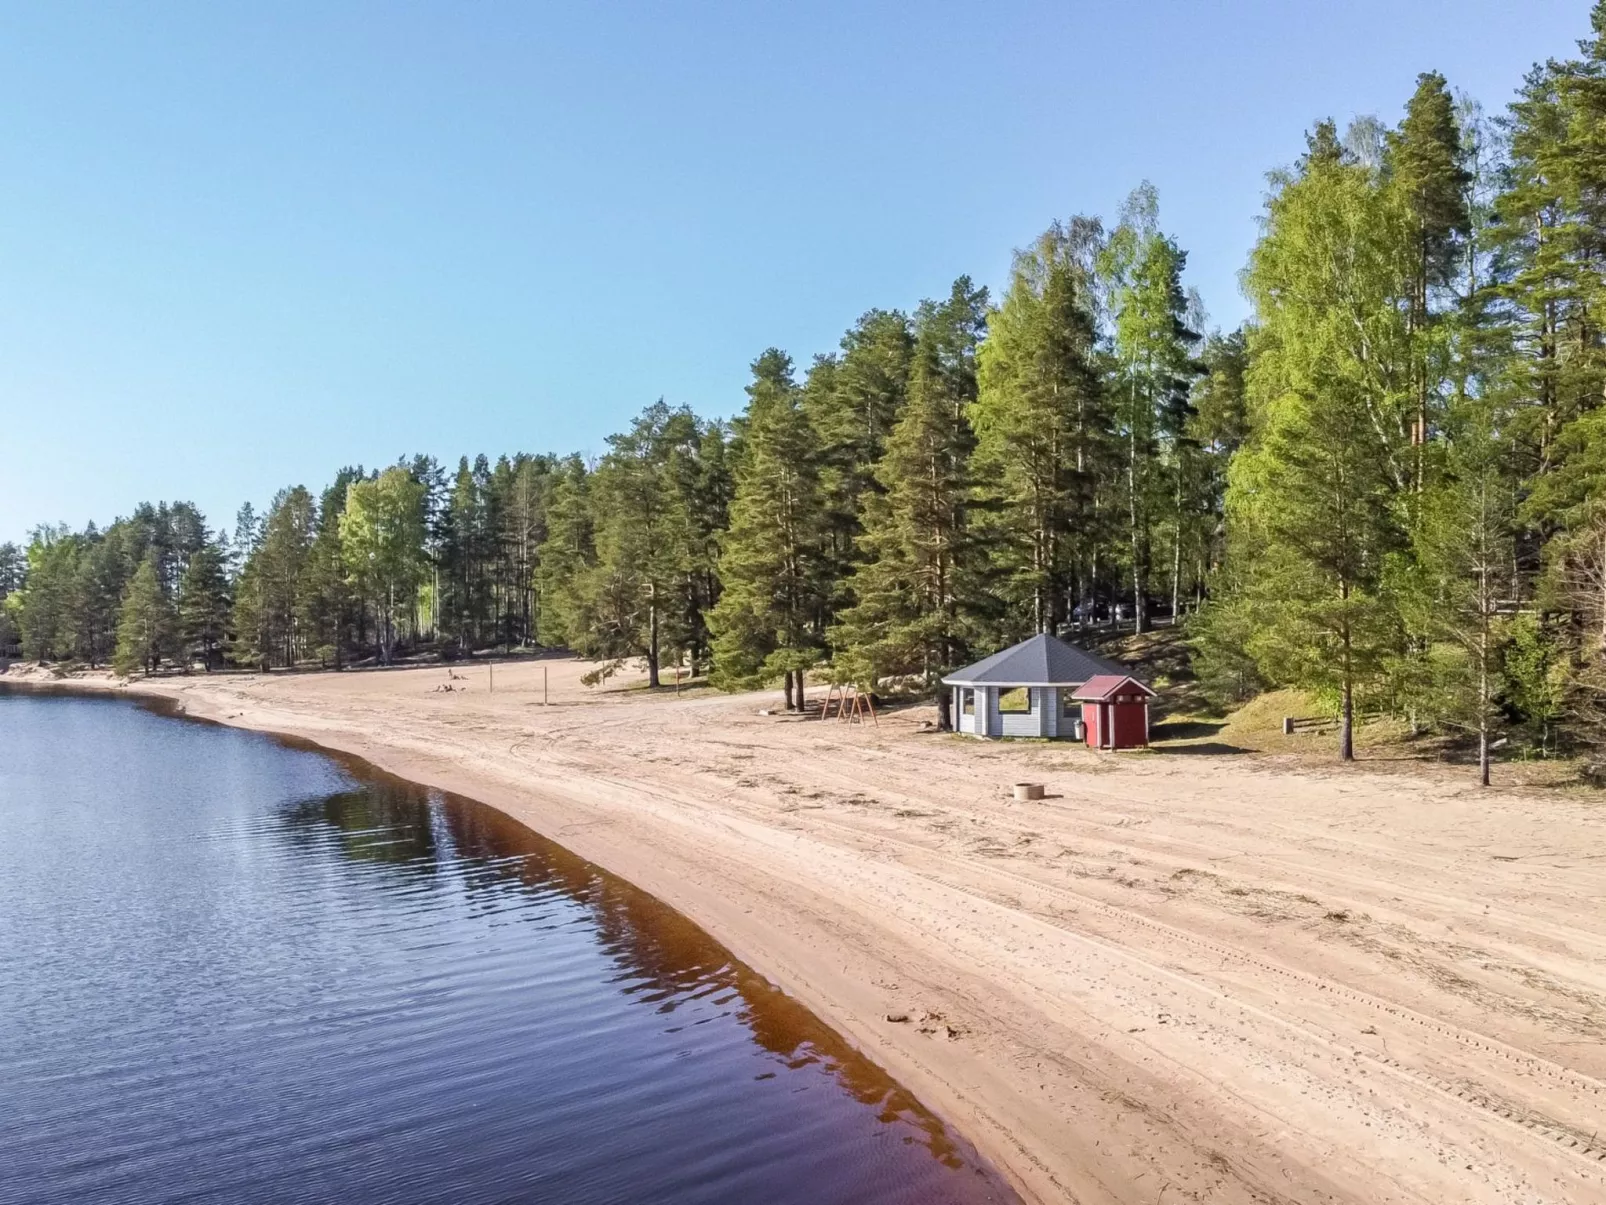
pixel 1130 730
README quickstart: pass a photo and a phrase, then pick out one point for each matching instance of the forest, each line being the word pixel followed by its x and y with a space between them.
pixel 1387 488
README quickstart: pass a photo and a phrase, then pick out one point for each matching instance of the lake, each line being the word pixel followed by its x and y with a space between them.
pixel 239 971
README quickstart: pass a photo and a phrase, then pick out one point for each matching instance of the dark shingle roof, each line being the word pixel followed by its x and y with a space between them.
pixel 1041 661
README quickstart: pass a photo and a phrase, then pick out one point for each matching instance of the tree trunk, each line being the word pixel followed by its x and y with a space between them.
pixel 1483 687
pixel 1176 552
pixel 652 645
pixel 1138 607
pixel 1176 572
pixel 1346 724
pixel 945 719
pixel 787 686
pixel 802 701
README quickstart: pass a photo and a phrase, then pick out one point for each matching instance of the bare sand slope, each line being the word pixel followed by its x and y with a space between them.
pixel 1178 978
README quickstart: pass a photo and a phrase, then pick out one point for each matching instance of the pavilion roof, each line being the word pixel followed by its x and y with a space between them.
pixel 1043 660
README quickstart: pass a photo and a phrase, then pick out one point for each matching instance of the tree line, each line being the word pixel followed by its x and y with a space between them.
pixel 1417 517
pixel 1388 487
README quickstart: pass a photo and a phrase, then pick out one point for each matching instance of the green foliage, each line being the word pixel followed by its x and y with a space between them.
pixel 917 589
pixel 1043 429
pixel 382 545
pixel 642 588
pixel 773 561
pixel 1386 489
pixel 1312 496
pixel 568 551
pixel 852 401
pixel 203 607
pixel 1219 637
pixel 144 622
pixel 1155 370
pixel 1536 678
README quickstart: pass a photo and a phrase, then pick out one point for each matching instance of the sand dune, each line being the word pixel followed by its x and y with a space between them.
pixel 1178 978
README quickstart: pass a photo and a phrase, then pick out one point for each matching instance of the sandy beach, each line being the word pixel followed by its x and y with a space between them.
pixel 1177 978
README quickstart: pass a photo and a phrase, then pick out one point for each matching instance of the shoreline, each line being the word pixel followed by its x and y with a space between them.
pixel 823 857
pixel 378 758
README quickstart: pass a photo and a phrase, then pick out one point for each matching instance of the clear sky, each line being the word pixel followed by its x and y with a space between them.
pixel 242 244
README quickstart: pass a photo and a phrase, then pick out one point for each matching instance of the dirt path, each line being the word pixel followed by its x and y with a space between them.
pixel 1178 978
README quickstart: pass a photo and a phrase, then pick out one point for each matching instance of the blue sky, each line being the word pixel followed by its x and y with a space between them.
pixel 244 244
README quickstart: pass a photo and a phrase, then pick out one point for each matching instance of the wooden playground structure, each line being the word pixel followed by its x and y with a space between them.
pixel 852 705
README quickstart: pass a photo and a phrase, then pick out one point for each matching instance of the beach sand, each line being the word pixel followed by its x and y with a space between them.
pixel 1177 978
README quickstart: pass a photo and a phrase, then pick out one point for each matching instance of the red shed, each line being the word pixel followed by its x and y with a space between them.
pixel 1115 711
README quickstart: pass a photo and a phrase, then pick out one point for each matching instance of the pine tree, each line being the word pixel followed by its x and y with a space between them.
pixel 772 561
pixel 251 635
pixel 630 600
pixel 1430 180
pixel 1570 501
pixel 1042 426
pixel 145 623
pixel 281 565
pixel 13 577
pixel 916 591
pixel 1154 351
pixel 525 483
pixel 324 603
pixel 852 400
pixel 1217 427
pixel 1455 593
pixel 104 565
pixel 568 551
pixel 203 607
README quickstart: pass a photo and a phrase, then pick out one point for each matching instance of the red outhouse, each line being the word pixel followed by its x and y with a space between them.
pixel 1115 711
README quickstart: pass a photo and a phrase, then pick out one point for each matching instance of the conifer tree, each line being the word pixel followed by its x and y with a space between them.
pixel 203 607
pixel 280 564
pixel 568 551
pixel 1455 593
pixel 629 600
pixel 1042 427
pixel 852 400
pixel 1570 501
pixel 1154 352
pixel 324 602
pixel 145 622
pixel 103 566
pixel 1430 180
pixel 772 562
pixel 1216 427
pixel 917 589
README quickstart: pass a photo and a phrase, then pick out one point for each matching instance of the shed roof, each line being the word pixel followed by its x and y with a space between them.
pixel 1097 690
pixel 1042 660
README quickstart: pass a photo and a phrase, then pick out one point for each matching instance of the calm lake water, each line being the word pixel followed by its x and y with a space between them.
pixel 235 971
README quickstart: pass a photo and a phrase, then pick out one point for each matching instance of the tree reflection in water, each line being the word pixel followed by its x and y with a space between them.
pixel 663 958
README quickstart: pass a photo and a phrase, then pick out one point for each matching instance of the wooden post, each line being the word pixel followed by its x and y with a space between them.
pixel 1288 725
